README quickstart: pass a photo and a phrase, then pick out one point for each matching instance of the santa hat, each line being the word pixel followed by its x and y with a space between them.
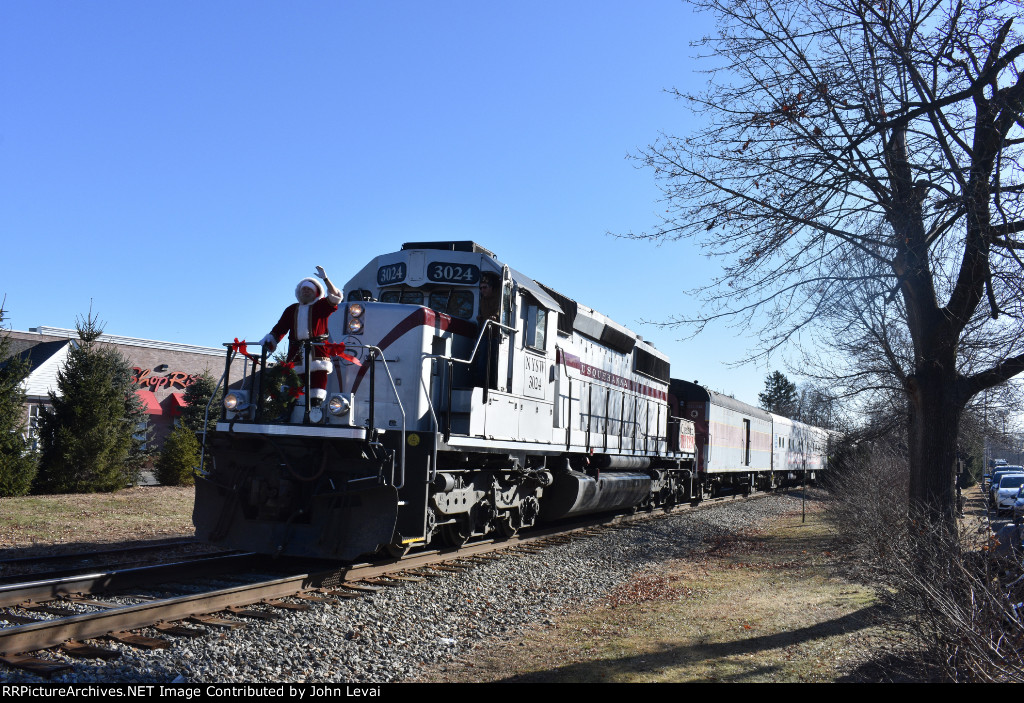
pixel 315 282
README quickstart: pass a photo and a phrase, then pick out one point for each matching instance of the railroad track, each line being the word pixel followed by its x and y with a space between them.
pixel 53 566
pixel 64 612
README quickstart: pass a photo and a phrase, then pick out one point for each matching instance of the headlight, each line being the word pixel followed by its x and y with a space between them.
pixel 337 405
pixel 354 323
pixel 232 401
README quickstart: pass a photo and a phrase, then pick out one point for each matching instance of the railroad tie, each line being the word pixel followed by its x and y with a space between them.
pixel 285 605
pixel 139 641
pixel 81 650
pixel 344 594
pixel 250 613
pixel 179 630
pixel 42 667
pixel 213 621
pixel 355 586
pixel 385 582
pixel 19 619
pixel 51 610
pixel 313 599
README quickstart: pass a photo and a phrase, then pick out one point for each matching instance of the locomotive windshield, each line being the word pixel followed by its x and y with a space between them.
pixel 457 302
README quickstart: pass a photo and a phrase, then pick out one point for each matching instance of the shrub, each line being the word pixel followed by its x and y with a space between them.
pixel 953 600
pixel 179 455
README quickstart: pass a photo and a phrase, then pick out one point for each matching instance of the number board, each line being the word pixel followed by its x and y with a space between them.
pixel 444 272
pixel 535 381
pixel 392 273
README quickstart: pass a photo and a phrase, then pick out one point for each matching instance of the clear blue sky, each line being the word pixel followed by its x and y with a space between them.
pixel 182 164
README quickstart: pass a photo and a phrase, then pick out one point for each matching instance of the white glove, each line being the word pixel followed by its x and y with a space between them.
pixel 269 342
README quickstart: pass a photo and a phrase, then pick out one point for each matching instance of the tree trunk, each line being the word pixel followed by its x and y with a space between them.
pixel 935 410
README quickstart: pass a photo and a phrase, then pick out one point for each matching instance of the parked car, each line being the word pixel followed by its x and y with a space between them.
pixel 1018 507
pixel 1007 490
pixel 996 477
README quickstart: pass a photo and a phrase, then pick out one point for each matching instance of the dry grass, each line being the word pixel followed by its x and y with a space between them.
pixel 32 523
pixel 762 608
pixel 765 607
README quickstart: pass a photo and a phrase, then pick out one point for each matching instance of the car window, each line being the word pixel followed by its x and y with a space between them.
pixel 1011 481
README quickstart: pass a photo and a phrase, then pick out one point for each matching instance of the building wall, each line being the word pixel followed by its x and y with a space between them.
pixel 165 369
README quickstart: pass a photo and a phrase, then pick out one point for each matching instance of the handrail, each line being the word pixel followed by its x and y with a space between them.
pixel 433 417
pixel 372 357
pixel 206 416
pixel 375 351
pixel 454 360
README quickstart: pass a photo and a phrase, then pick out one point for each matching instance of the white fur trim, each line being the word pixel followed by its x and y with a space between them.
pixel 302 322
pixel 320 393
pixel 315 282
pixel 314 365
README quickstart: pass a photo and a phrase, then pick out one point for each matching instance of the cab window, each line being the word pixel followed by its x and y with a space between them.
pixel 409 296
pixel 455 302
pixel 536 327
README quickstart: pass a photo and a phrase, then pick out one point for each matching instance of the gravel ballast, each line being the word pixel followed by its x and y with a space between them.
pixel 390 635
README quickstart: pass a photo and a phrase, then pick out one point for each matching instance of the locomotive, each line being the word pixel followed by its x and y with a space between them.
pixel 450 415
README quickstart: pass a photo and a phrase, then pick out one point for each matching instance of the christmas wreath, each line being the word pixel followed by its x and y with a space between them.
pixel 280 387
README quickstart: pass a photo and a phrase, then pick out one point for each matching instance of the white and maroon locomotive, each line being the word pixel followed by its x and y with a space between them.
pixel 447 416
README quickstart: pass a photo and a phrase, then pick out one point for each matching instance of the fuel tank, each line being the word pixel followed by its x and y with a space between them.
pixel 575 493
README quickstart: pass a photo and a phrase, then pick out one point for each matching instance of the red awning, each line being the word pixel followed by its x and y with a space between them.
pixel 148 399
pixel 177 403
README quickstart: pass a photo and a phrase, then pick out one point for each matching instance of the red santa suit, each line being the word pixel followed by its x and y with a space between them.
pixel 307 321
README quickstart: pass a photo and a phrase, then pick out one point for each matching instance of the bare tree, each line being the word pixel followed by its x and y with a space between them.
pixel 858 163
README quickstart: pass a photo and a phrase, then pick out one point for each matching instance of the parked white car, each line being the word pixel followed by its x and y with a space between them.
pixel 996 477
pixel 1006 493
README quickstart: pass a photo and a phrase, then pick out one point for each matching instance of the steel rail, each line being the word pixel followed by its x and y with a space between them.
pixel 155 545
pixel 37 591
pixel 50 633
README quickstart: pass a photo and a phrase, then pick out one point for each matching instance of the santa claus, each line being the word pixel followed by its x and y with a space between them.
pixel 307 319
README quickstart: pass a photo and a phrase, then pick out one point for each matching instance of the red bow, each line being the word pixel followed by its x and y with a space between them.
pixel 241 348
pixel 296 392
pixel 338 349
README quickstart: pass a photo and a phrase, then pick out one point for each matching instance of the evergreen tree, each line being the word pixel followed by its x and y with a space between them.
pixel 178 456
pixel 17 463
pixel 197 395
pixel 89 437
pixel 779 395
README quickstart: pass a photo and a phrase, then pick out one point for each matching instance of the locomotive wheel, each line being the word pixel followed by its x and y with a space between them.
pixel 455 535
pixel 505 529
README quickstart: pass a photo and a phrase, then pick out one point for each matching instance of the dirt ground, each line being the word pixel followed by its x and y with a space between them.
pixel 35 524
pixel 766 607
